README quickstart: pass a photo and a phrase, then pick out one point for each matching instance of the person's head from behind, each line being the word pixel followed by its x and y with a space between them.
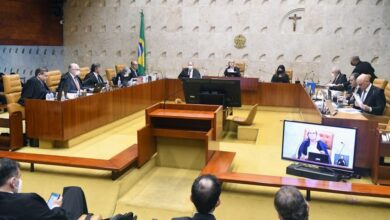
pixel 335 71
pixel 42 73
pixel 363 81
pixel 10 176
pixel 231 64
pixel 355 60
pixel 281 69
pixel 205 193
pixel 74 69
pixel 96 68
pixel 134 65
pixel 290 204
pixel 352 79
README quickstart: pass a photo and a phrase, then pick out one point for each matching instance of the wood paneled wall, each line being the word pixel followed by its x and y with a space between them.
pixel 29 22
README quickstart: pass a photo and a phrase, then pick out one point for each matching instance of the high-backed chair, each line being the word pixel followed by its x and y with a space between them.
pixel 249 119
pixel 380 83
pixel 289 72
pixel 53 79
pixel 387 95
pixel 13 91
pixel 110 74
pixel 119 67
pixel 83 72
pixel 242 67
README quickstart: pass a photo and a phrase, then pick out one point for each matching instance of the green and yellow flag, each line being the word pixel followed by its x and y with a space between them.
pixel 142 48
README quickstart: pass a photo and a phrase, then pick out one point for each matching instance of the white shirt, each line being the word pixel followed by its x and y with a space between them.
pixel 76 82
pixel 190 72
pixel 97 77
pixel 365 92
pixel 313 148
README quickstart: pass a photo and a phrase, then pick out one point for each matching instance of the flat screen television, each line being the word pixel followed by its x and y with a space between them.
pixel 212 91
pixel 321 145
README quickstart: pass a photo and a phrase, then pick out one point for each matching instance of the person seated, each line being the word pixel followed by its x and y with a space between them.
pixel 352 88
pixel 363 67
pixel 94 77
pixel 70 81
pixel 280 75
pixel 290 204
pixel 312 144
pixel 373 99
pixel 190 72
pixel 122 78
pixel 339 80
pixel 35 87
pixel 134 69
pixel 232 70
pixel 20 206
pixel 205 193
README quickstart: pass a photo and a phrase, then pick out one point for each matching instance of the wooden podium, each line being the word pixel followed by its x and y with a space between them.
pixel 182 122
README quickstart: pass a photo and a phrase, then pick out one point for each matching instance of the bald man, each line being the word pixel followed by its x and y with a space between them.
pixel 205 194
pixel 373 98
pixel 71 81
pixel 339 80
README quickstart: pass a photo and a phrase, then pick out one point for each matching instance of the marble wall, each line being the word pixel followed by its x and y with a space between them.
pixel 328 34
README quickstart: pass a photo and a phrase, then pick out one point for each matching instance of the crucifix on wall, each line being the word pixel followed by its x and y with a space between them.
pixel 295 18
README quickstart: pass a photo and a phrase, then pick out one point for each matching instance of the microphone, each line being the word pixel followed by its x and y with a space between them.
pixel 342 148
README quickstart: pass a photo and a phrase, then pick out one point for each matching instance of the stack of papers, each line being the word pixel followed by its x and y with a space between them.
pixel 358 100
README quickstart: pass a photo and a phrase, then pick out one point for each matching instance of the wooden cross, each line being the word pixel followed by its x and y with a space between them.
pixel 295 18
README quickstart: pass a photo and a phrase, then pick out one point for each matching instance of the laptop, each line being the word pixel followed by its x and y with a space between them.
pixel 318 158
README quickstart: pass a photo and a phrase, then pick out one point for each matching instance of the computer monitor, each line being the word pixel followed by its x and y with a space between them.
pixel 321 145
pixel 212 91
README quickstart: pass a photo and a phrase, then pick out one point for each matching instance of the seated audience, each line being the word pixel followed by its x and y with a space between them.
pixel 232 70
pixel 94 77
pixel 352 88
pixel 312 144
pixel 363 67
pixel 373 98
pixel 20 206
pixel 339 80
pixel 190 72
pixel 70 81
pixel 35 87
pixel 280 75
pixel 205 194
pixel 290 204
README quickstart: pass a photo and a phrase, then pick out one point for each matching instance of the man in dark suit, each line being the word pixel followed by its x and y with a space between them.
pixel 94 77
pixel 232 70
pixel 373 99
pixel 363 67
pixel 290 204
pixel 205 194
pixel 339 81
pixel 134 69
pixel 70 81
pixel 35 87
pixel 190 72
pixel 352 87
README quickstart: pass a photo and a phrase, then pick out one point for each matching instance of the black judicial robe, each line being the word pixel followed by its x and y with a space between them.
pixel 34 89
pixel 90 80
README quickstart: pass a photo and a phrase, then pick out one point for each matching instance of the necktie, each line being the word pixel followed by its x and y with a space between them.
pixel 364 95
pixel 98 79
pixel 76 82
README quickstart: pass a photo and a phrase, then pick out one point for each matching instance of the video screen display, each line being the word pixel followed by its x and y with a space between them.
pixel 319 144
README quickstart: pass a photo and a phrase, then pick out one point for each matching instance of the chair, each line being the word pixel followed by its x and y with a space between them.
pixel 384 127
pixel 387 95
pixel 110 74
pixel 83 72
pixel 380 83
pixel 289 72
pixel 249 119
pixel 13 91
pixel 119 67
pixel 242 67
pixel 53 79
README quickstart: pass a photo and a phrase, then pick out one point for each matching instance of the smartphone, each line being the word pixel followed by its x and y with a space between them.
pixel 53 196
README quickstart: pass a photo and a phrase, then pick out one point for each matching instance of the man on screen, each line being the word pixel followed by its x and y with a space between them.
pixel 312 145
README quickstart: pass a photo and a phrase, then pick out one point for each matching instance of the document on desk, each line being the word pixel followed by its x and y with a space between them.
pixel 350 110
pixel 358 100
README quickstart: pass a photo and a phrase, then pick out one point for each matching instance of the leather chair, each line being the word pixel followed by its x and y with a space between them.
pixel 13 91
pixel 83 72
pixel 380 83
pixel 289 72
pixel 242 67
pixel 387 95
pixel 119 67
pixel 53 79
pixel 249 119
pixel 110 74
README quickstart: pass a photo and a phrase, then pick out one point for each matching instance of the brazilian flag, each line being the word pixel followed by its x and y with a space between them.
pixel 142 48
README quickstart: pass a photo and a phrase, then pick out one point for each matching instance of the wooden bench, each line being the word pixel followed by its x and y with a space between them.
pixel 14 138
pixel 221 161
pixel 117 164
